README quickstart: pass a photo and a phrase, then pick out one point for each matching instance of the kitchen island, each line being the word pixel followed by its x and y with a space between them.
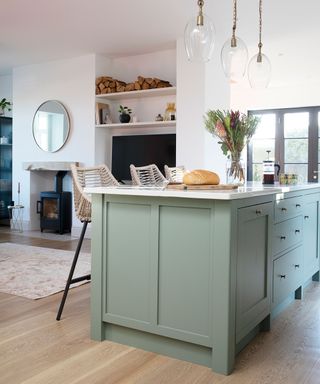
pixel 196 274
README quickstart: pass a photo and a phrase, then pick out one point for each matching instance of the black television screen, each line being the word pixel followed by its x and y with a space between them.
pixel 142 150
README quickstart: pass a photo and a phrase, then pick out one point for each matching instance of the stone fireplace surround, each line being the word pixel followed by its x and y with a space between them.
pixel 42 174
pixel 48 165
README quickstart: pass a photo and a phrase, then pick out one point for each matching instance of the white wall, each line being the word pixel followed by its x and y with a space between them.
pixel 200 87
pixel 295 78
pixel 191 107
pixel 157 64
pixel 217 96
pixel 293 95
pixel 72 83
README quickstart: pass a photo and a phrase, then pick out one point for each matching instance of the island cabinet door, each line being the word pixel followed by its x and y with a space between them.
pixel 157 268
pixel 310 235
pixel 184 273
pixel 253 267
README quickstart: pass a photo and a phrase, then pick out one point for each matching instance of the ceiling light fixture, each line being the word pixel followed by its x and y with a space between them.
pixel 234 53
pixel 199 36
pixel 259 69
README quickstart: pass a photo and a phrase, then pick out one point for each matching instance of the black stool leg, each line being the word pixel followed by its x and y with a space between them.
pixel 73 266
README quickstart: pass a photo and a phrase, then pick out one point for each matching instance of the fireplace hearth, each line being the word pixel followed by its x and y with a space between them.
pixel 55 207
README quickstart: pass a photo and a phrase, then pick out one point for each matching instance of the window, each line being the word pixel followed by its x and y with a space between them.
pixel 292 138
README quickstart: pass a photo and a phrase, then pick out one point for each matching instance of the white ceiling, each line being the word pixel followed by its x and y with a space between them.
pixel 35 31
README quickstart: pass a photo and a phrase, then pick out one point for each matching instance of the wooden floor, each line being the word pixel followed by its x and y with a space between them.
pixel 35 348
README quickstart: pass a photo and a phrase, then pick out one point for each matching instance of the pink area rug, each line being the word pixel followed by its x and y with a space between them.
pixel 36 272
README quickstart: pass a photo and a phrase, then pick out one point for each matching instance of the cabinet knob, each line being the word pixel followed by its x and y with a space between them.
pixel 258 211
pixel 283 209
pixel 282 237
pixel 298 205
pixel 282 276
pixel 297 265
pixel 306 217
pixel 297 231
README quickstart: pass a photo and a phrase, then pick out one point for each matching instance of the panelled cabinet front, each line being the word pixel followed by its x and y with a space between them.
pixel 311 235
pixel 253 267
pixel 295 244
pixel 184 277
pixel 287 242
pixel 158 269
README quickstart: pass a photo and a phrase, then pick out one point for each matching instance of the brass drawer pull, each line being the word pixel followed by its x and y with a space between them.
pixel 297 231
pixel 297 265
pixel 282 237
pixel 306 217
pixel 282 276
pixel 258 212
pixel 283 209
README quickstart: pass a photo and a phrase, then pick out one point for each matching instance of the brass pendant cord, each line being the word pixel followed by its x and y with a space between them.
pixel 234 26
pixel 200 15
pixel 259 57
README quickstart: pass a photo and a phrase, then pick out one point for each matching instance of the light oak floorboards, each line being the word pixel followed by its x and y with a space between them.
pixel 36 349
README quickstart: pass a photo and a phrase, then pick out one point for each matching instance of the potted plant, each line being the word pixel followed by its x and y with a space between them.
pixel 125 112
pixel 4 104
pixel 234 129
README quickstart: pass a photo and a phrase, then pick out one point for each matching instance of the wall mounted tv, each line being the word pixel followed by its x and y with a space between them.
pixel 142 150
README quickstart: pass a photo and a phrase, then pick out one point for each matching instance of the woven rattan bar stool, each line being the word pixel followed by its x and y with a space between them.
pixel 148 175
pixel 99 176
pixel 174 174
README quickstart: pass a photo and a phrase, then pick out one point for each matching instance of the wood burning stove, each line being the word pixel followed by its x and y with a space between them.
pixel 55 207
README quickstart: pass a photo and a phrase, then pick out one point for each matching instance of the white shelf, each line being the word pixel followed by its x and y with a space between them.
pixel 48 165
pixel 138 94
pixel 142 124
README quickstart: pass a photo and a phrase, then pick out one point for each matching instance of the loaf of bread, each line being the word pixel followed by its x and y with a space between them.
pixel 201 177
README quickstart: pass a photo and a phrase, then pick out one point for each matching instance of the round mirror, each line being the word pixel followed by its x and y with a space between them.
pixel 51 126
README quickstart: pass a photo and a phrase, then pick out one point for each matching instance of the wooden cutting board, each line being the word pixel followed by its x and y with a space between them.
pixel 201 187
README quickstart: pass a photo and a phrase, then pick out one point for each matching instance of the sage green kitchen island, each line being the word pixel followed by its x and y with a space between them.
pixel 196 274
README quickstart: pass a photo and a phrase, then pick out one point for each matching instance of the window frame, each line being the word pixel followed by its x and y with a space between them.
pixel 313 138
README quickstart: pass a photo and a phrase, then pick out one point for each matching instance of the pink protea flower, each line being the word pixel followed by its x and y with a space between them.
pixel 221 131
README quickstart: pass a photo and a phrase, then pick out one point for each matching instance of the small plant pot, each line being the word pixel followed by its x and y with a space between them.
pixel 124 118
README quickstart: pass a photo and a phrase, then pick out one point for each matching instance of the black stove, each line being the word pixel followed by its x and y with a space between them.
pixel 55 207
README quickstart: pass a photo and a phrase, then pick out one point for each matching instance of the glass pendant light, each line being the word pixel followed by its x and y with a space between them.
pixel 259 68
pixel 199 37
pixel 234 53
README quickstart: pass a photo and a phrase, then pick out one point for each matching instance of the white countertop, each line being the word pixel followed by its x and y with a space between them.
pixel 250 190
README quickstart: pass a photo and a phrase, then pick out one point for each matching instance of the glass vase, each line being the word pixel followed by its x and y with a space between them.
pixel 236 169
pixel 170 112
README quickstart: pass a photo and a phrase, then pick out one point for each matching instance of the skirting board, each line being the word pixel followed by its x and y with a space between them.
pixel 75 231
pixel 159 344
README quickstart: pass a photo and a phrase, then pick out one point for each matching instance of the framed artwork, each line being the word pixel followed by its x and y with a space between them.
pixel 103 114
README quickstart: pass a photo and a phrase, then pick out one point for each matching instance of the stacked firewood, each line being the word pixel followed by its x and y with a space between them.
pixel 106 84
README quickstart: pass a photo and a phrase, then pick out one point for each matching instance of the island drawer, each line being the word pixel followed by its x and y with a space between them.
pixel 287 274
pixel 255 211
pixel 287 234
pixel 287 208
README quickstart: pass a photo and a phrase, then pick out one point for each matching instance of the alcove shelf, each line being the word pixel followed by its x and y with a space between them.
pixel 142 124
pixel 137 94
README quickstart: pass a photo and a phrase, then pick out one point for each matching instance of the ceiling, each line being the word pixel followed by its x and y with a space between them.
pixel 35 31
